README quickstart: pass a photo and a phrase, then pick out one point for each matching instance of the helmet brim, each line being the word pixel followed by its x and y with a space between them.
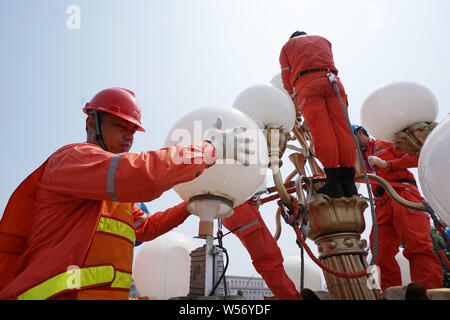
pixel 122 116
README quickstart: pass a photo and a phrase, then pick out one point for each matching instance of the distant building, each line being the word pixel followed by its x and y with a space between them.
pixel 252 288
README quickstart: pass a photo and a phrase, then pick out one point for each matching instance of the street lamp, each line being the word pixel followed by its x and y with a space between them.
pixel 220 188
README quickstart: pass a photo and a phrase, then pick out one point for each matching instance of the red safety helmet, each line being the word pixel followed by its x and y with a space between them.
pixel 119 102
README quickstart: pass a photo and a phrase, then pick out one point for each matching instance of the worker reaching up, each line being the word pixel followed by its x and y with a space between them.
pixel 396 223
pixel 68 231
pixel 305 62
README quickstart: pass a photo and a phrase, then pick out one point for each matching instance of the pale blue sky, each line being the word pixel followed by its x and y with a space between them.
pixel 182 55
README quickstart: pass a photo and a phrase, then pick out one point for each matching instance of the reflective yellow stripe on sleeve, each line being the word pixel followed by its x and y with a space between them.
pixel 72 279
pixel 116 227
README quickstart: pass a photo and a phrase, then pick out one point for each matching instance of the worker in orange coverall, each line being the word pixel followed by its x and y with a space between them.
pixel 68 231
pixel 305 62
pixel 396 223
pixel 263 249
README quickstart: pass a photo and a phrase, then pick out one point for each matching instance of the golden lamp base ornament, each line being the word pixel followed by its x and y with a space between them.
pixel 277 139
pixel 412 138
pixel 335 225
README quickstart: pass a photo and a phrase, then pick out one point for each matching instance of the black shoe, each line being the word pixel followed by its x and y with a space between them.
pixel 348 181
pixel 332 187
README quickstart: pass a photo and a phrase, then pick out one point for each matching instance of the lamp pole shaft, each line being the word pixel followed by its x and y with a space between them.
pixel 209 266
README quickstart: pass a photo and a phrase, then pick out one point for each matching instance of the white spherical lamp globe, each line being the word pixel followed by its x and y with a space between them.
pixel 395 106
pixel 263 186
pixel 277 82
pixel 227 179
pixel 162 266
pixel 312 278
pixel 434 170
pixel 267 105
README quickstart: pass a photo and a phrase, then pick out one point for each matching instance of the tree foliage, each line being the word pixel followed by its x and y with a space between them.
pixel 439 244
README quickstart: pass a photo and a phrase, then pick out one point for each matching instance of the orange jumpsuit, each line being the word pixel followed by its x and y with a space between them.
pixel 398 224
pixel 263 249
pixel 76 211
pixel 317 100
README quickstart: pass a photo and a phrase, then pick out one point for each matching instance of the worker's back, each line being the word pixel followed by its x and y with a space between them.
pixel 308 52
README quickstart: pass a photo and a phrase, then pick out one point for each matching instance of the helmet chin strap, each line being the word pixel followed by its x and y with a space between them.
pixel 98 132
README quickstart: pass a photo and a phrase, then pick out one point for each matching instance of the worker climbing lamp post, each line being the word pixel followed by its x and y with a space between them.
pixel 334 225
pixel 405 114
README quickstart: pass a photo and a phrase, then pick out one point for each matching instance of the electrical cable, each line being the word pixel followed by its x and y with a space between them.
pixel 224 271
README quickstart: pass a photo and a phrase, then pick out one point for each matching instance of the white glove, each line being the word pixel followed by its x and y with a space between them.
pixel 228 143
pixel 373 160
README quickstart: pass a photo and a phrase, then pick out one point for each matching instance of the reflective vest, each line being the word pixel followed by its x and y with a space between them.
pixel 106 273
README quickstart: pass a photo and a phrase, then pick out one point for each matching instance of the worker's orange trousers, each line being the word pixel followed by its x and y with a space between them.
pixel 398 224
pixel 327 122
pixel 263 249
